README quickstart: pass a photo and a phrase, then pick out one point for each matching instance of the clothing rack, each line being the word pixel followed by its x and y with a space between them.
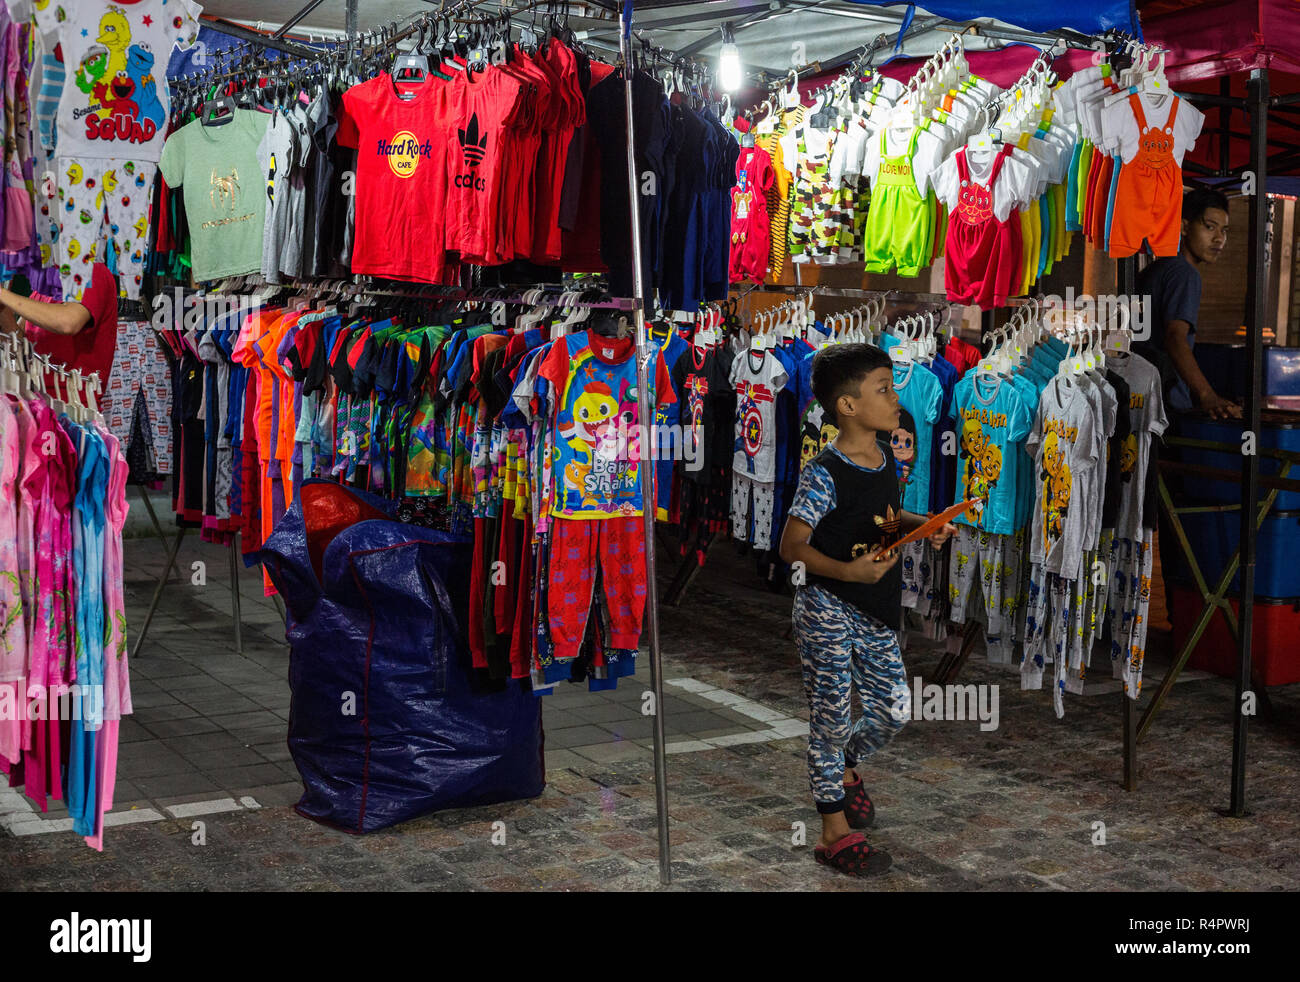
pixel 349 290
pixel 688 569
pixel 24 359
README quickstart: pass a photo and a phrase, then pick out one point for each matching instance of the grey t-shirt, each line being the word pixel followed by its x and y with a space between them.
pixel 318 118
pixel 224 190
pixel 278 150
pixel 1148 419
pixel 291 255
pixel 1105 409
pixel 1065 449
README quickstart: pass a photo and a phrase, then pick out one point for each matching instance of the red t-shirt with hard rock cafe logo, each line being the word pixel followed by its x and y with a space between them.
pixel 401 179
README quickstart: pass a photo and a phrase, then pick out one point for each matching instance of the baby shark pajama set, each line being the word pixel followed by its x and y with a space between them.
pixel 112 122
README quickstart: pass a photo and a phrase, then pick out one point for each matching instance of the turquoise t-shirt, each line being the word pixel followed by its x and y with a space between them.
pixel 1046 360
pixel 921 394
pixel 994 416
pixel 1031 389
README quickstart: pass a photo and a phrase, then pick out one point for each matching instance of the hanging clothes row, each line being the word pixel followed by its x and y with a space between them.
pixel 64 680
pixel 1005 189
pixel 896 176
pixel 849 179
pixel 513 424
pixel 1055 442
pixel 1126 183
pixel 514 161
pixel 750 420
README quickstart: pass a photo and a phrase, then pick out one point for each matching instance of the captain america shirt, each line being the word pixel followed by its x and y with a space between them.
pixel 757 378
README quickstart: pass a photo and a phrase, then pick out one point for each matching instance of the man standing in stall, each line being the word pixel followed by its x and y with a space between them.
pixel 80 335
pixel 1173 285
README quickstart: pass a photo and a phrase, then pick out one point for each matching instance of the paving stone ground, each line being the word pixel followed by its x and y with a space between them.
pixel 959 809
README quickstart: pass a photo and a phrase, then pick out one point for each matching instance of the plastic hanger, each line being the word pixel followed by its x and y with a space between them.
pixel 224 107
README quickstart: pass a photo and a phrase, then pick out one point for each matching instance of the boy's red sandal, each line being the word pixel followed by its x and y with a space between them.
pixel 858 809
pixel 853 855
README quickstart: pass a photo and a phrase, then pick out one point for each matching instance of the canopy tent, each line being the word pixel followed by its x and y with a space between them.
pixel 1085 16
pixel 772 35
pixel 1208 40
pixel 1213 46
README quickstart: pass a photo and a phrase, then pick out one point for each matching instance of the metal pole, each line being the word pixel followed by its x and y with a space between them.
pixel 646 463
pixel 1257 98
pixel 1130 743
pixel 234 596
pixel 297 18
pixel 350 18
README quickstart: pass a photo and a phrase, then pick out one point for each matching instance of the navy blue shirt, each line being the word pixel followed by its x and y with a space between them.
pixel 1174 287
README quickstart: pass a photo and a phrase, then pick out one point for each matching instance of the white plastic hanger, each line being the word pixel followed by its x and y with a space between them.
pixel 8 371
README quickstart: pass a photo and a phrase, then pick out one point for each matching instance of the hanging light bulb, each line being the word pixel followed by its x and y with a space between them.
pixel 731 73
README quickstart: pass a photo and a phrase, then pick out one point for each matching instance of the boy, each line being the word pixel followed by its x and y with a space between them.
pixel 847 612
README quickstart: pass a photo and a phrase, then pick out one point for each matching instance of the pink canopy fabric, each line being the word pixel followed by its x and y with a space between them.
pixel 1211 39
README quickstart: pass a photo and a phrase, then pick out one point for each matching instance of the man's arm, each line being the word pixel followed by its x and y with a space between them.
pixel 59 318
pixel 1180 352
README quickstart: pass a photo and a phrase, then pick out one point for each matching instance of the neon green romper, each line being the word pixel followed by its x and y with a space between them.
pixel 899 223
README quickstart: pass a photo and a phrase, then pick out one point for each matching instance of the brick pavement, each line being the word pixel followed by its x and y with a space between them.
pixel 959 808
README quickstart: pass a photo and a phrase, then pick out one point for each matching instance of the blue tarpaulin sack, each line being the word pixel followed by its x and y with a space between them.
pixel 386 721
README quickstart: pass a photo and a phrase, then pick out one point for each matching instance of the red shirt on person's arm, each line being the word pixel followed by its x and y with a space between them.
pixel 91 349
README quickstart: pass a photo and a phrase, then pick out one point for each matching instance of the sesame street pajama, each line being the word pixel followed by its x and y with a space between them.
pixel 101 202
pixel 841 648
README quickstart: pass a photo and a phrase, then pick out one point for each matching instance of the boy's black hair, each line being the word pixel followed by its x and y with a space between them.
pixel 1198 201
pixel 840 369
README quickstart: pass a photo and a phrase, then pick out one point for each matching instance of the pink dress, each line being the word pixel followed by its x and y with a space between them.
pixel 117 685
pixel 13 627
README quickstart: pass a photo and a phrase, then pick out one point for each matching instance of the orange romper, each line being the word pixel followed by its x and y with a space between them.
pixel 1149 196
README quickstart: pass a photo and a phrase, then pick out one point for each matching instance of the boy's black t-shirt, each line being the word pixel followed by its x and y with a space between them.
pixel 866 516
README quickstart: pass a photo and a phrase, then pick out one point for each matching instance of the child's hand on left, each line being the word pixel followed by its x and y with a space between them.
pixel 937 539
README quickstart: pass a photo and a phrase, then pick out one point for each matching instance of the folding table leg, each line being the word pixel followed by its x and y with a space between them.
pixel 157 593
